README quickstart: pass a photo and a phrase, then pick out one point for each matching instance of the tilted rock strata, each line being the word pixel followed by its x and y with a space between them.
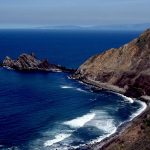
pixel 26 62
pixel 127 67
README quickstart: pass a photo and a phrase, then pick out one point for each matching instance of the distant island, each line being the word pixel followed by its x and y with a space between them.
pixel 112 27
pixel 29 62
pixel 105 27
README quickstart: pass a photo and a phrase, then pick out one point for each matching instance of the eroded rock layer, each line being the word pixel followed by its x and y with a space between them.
pixel 127 67
pixel 29 62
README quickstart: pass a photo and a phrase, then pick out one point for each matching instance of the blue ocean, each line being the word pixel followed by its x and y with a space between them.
pixel 49 111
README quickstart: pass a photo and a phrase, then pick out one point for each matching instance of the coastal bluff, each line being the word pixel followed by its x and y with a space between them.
pixel 125 70
pixel 29 62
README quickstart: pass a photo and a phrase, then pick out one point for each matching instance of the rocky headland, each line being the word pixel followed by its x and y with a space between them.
pixel 124 70
pixel 29 62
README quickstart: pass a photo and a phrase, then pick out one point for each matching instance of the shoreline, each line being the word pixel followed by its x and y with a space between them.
pixel 103 144
pixel 121 129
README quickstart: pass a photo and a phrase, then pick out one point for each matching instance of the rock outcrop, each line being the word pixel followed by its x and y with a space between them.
pixel 29 62
pixel 126 68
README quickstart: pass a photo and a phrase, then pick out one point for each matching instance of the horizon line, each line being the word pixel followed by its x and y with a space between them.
pixel 136 26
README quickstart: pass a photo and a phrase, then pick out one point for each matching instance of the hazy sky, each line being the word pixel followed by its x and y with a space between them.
pixel 73 12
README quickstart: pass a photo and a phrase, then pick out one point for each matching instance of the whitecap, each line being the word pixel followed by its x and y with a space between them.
pixel 103 122
pixel 81 90
pixel 125 97
pixel 93 99
pixel 9 68
pixel 137 113
pixel 80 121
pixel 66 87
pixel 99 139
pixel 71 87
pixel 128 98
pixel 58 138
pixel 107 125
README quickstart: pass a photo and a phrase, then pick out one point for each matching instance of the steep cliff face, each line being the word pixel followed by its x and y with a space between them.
pixel 127 67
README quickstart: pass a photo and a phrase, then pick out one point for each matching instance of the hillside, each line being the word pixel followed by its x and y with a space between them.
pixel 125 70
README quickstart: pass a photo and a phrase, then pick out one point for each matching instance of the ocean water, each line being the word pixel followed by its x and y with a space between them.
pixel 46 111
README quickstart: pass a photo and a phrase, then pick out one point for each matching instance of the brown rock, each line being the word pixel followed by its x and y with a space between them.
pixel 127 67
pixel 26 62
pixel 8 62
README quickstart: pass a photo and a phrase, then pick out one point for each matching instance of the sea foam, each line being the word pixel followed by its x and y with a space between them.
pixel 66 87
pixel 111 128
pixel 9 68
pixel 143 107
pixel 125 97
pixel 80 121
pixel 103 122
pixel 81 90
pixel 58 138
pixel 71 87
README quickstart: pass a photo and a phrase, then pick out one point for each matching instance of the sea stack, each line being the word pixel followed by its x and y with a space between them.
pixel 29 62
pixel 125 69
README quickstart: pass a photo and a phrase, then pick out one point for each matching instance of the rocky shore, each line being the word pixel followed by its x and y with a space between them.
pixel 135 135
pixel 129 136
pixel 125 70
pixel 29 62
pixel 122 139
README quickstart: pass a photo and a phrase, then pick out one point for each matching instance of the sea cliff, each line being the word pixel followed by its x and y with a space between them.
pixel 125 69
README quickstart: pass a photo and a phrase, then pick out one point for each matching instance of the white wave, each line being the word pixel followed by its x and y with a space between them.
pixel 98 118
pixel 80 121
pixel 66 87
pixel 93 99
pixel 99 139
pixel 103 122
pixel 111 128
pixel 70 87
pixel 106 125
pixel 143 107
pixel 9 68
pixel 125 97
pixel 58 138
pixel 81 90
pixel 54 70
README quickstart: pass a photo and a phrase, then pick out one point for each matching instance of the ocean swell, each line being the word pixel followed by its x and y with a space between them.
pixel 58 138
pixel 143 108
pixel 110 127
pixel 74 88
pixel 125 97
pixel 80 121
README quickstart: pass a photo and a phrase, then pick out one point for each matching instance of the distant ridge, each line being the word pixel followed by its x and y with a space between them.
pixel 125 27
pixel 117 27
